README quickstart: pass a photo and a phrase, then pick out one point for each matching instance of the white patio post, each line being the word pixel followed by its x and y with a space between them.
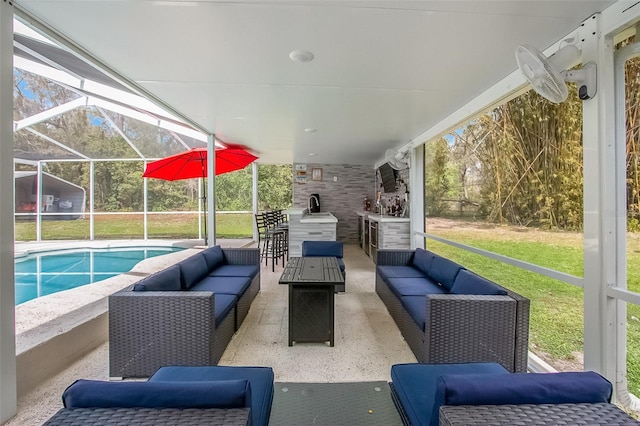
pixel 145 201
pixel 39 202
pixel 254 201
pixel 211 193
pixel 92 192
pixel 416 197
pixel 598 130
pixel 8 388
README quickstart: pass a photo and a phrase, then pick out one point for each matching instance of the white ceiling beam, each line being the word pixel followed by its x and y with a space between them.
pixel 120 132
pixel 55 142
pixel 48 114
pixel 119 96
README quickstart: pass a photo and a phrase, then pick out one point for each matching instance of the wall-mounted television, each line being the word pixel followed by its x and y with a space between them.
pixel 388 177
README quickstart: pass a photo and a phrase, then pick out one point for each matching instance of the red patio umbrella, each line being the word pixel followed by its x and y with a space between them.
pixel 193 164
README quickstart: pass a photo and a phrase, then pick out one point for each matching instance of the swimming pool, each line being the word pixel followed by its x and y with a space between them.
pixel 43 273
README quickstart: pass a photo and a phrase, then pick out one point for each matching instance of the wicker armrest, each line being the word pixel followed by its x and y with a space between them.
pixel 470 328
pixel 150 416
pixel 394 257
pixel 522 332
pixel 539 414
pixel 242 256
pixel 148 329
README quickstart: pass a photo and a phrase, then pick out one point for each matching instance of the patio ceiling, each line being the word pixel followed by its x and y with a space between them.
pixel 384 71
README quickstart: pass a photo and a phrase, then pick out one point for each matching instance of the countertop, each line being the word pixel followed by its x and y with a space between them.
pixel 293 211
pixel 377 217
pixel 322 217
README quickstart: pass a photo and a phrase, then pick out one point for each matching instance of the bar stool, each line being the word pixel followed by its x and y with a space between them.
pixel 272 241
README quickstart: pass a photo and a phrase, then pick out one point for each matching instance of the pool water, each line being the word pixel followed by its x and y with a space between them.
pixel 45 273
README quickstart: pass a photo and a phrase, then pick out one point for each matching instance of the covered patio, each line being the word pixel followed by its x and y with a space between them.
pixel 335 85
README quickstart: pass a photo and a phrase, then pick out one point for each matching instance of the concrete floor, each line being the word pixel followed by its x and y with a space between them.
pixel 367 342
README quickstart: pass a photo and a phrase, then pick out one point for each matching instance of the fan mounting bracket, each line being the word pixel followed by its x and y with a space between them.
pixel 586 78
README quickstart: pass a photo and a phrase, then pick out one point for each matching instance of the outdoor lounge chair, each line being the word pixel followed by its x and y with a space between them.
pixel 486 393
pixel 214 395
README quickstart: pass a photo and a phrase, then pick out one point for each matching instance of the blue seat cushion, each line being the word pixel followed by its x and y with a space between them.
pixel 422 259
pixel 213 256
pixel 389 271
pixel 166 280
pixel 192 270
pixel 444 271
pixel 414 287
pixel 415 385
pixel 417 308
pixel 224 303
pixel 322 248
pixel 223 285
pixel 261 379
pixel 522 388
pixel 235 271
pixel 469 283
pixel 158 394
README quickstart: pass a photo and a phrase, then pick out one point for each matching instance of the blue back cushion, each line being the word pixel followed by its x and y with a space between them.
pixel 521 388
pixel 422 260
pixel 469 283
pixel 415 385
pixel 214 257
pixel 187 394
pixel 444 271
pixel 261 379
pixel 322 248
pixel 166 280
pixel 192 270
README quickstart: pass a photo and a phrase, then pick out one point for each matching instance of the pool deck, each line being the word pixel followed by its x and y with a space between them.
pixel 367 342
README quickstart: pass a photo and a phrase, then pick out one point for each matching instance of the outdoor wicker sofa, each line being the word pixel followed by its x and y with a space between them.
pixel 486 393
pixel 214 395
pixel 185 314
pixel 448 314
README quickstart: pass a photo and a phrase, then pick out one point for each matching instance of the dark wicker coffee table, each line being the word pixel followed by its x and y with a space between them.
pixel 311 282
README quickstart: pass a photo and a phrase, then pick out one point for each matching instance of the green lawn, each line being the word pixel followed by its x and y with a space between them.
pixel 556 320
pixel 171 226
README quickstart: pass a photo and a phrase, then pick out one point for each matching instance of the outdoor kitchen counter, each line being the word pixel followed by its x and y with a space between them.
pixel 306 227
pixel 388 232
pixel 377 217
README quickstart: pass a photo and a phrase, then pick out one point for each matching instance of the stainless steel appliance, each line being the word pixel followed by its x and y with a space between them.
pixel 373 239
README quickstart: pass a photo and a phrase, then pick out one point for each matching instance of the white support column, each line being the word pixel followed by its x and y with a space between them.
pixel 145 203
pixel 254 196
pixel 598 130
pixel 211 189
pixel 416 196
pixel 92 192
pixel 8 388
pixel 39 202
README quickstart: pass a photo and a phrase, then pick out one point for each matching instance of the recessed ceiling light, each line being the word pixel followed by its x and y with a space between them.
pixel 312 154
pixel 301 56
pixel 310 130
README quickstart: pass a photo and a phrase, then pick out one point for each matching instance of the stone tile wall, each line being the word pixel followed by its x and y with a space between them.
pixel 342 197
